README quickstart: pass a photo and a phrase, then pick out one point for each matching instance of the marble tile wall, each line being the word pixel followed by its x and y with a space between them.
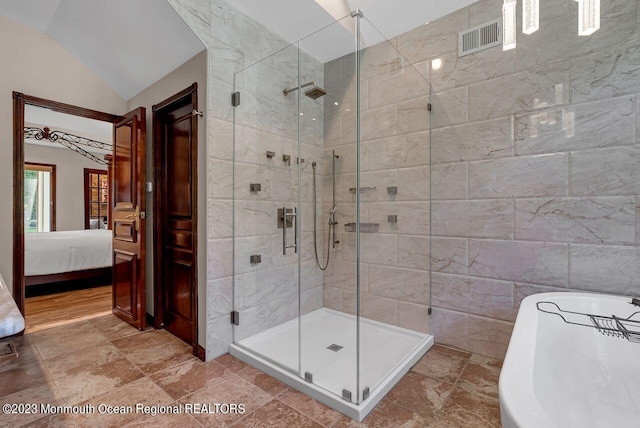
pixel 267 120
pixel 535 170
pixel 394 152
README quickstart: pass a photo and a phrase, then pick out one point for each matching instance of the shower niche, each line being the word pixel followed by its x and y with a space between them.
pixel 338 306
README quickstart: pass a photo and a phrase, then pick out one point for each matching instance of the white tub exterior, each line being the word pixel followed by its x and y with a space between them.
pixel 561 375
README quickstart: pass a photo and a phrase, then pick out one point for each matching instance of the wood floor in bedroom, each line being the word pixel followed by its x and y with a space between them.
pixel 43 312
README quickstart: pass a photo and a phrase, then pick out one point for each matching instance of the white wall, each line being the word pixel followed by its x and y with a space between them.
pixel 69 182
pixel 32 63
pixel 194 70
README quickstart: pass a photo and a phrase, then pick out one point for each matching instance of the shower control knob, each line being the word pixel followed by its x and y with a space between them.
pixel 336 242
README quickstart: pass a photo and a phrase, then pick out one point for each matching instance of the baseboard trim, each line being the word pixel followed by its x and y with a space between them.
pixel 201 353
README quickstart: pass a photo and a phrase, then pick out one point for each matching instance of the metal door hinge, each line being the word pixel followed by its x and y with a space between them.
pixel 308 377
pixel 346 395
pixel 235 99
pixel 365 393
pixel 429 106
pixel 235 318
pixel 429 311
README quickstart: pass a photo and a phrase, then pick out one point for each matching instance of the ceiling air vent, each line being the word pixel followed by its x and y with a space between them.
pixel 480 38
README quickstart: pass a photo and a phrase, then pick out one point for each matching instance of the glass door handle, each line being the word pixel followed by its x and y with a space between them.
pixel 285 217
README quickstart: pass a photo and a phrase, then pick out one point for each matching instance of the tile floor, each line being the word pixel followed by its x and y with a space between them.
pixel 104 360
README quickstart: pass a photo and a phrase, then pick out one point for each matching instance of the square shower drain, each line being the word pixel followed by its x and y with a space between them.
pixel 335 348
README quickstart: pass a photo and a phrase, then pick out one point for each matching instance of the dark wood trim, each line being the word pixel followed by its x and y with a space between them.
pixel 19 102
pixel 192 93
pixel 87 196
pixel 151 320
pixel 18 200
pixel 201 353
pixel 52 226
pixel 70 109
pixel 109 159
pixel 191 90
pixel 67 276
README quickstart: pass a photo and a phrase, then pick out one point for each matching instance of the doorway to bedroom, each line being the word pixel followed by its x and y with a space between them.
pixel 67 218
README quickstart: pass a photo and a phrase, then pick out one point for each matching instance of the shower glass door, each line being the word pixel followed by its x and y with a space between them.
pixel 266 293
pixel 328 121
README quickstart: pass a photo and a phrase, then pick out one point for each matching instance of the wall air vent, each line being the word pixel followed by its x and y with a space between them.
pixel 480 38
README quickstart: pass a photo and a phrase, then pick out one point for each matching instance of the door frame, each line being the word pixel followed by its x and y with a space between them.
pixel 20 100
pixel 158 171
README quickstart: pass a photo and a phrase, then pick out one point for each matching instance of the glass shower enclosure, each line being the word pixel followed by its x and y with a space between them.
pixel 331 215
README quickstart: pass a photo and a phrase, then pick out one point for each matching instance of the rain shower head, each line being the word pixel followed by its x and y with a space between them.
pixel 313 93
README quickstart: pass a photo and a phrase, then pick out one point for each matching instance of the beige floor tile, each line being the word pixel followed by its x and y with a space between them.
pixel 188 377
pixel 113 328
pixel 276 414
pixel 421 394
pixel 232 390
pixel 262 380
pixel 309 407
pixel 468 409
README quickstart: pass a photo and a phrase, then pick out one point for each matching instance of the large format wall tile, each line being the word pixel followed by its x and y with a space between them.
pixel 532 262
pixel 450 107
pixel 474 141
pixel 413 251
pixel 449 181
pixel 398 152
pixel 433 39
pixel 611 171
pixel 414 317
pixel 399 283
pixel 479 219
pixel 606 269
pixel 450 328
pixel 524 91
pixel 541 175
pixel 577 127
pixel 489 337
pixel 486 297
pixel 606 74
pixel 600 220
pixel 449 255
pixel 402 85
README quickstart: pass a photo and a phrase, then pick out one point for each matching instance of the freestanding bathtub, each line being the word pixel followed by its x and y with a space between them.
pixel 573 361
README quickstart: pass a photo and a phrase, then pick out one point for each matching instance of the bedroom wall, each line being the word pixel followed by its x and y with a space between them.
pixel 194 70
pixel 69 182
pixel 32 63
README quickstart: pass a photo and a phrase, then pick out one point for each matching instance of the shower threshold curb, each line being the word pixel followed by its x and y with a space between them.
pixel 357 412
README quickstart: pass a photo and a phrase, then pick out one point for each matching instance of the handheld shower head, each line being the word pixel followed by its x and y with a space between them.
pixel 313 164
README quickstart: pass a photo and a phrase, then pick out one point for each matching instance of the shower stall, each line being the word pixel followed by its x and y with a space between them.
pixel 332 215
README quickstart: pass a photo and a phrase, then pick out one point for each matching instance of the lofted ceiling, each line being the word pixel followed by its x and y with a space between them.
pixel 297 19
pixel 130 44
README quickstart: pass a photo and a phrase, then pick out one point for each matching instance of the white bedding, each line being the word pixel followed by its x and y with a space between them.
pixel 58 252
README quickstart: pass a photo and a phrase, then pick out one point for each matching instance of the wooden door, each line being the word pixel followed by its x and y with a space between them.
pixel 128 222
pixel 175 160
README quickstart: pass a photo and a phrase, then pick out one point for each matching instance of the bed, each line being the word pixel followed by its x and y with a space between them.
pixel 70 255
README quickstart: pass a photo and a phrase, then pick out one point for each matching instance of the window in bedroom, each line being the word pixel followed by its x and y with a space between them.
pixel 39 197
pixel 96 199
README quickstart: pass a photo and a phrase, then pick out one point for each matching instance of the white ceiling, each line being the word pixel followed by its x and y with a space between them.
pixel 129 44
pixel 297 19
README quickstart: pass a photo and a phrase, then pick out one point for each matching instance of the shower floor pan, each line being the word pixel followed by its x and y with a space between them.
pixel 386 354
